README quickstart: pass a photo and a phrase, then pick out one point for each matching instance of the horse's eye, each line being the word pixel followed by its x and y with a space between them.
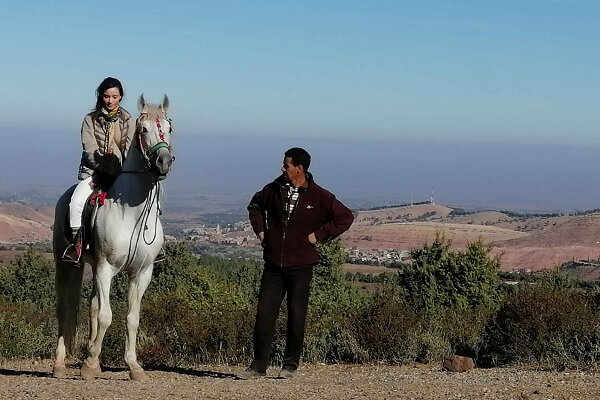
pixel 144 130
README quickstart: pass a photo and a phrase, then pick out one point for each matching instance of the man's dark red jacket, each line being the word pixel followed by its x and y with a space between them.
pixel 317 211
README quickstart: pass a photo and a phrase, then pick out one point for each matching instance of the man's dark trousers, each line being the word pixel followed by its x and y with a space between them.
pixel 275 283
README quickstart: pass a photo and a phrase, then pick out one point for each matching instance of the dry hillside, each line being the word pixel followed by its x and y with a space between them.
pixel 402 214
pixel 535 243
pixel 574 239
pixel 25 223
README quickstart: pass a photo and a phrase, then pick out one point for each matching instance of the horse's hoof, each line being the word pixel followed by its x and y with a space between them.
pixel 59 371
pixel 88 373
pixel 138 375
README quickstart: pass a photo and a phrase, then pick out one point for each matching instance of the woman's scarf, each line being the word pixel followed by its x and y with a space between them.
pixel 110 117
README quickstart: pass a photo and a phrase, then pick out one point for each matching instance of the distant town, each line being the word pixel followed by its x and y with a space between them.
pixel 240 235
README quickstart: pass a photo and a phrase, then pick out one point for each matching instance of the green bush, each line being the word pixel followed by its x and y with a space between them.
pixel 333 304
pixel 440 277
pixel 202 309
pixel 29 279
pixel 452 296
pixel 25 332
pixel 387 329
pixel 194 313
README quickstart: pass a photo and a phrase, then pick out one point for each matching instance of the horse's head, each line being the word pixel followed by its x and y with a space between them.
pixel 153 131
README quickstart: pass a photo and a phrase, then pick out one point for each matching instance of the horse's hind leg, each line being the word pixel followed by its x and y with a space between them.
pixel 68 288
pixel 91 366
pixel 137 287
pixel 60 370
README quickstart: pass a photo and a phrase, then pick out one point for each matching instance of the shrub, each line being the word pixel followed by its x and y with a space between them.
pixel 201 309
pixel 332 305
pixel 558 327
pixel 194 314
pixel 387 329
pixel 29 279
pixel 440 277
pixel 25 332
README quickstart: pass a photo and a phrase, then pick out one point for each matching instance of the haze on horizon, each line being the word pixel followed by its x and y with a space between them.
pixel 488 104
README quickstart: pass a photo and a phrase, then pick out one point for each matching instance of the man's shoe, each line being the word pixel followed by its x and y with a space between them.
pixel 251 374
pixel 287 373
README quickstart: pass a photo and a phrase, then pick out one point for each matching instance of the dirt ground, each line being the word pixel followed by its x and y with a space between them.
pixel 27 380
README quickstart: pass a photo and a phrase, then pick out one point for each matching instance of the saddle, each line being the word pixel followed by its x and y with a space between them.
pixel 101 183
pixel 88 216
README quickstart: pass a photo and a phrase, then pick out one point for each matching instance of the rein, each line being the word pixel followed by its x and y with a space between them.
pixel 145 217
pixel 141 171
pixel 141 225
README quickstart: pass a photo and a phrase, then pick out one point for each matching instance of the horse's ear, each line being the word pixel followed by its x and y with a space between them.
pixel 141 104
pixel 165 104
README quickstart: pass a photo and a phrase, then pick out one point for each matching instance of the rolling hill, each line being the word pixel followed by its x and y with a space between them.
pixel 523 242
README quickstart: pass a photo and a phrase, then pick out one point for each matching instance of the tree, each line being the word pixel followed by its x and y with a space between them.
pixel 452 279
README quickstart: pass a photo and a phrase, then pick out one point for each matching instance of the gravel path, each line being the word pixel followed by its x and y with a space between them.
pixel 32 380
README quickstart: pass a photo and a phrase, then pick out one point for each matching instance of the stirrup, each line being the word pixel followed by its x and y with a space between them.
pixel 160 257
pixel 72 254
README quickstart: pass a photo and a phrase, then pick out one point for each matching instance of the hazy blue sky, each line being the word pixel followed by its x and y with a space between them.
pixel 499 71
pixel 448 90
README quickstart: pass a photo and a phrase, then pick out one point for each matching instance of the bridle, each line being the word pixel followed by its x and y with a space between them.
pixel 150 152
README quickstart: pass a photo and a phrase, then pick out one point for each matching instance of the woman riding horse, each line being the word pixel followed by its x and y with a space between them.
pixel 106 135
pixel 127 235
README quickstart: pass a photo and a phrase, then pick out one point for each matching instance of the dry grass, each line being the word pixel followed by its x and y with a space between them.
pixel 404 236
pixel 365 269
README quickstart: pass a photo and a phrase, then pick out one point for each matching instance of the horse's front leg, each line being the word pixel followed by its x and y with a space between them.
pixel 94 310
pixel 137 286
pixel 103 277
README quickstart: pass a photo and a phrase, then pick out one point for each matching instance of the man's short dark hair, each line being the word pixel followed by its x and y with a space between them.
pixel 299 156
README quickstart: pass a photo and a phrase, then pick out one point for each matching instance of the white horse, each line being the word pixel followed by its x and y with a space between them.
pixel 127 235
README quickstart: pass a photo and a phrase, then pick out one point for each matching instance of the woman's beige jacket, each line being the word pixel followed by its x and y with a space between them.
pixel 105 143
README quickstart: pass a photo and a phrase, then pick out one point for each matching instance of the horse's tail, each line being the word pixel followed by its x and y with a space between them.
pixel 68 294
pixel 68 277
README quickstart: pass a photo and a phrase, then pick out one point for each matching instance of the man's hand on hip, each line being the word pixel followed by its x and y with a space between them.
pixel 312 238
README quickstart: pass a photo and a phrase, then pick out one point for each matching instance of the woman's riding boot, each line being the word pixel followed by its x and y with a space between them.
pixel 72 253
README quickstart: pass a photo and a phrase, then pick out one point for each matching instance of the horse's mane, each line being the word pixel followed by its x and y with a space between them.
pixel 154 111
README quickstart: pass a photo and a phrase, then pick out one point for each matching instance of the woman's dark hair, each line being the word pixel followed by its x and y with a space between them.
pixel 107 83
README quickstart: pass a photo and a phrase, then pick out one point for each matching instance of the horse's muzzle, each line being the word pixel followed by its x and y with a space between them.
pixel 163 164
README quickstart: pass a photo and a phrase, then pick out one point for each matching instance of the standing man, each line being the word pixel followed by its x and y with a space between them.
pixel 290 216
